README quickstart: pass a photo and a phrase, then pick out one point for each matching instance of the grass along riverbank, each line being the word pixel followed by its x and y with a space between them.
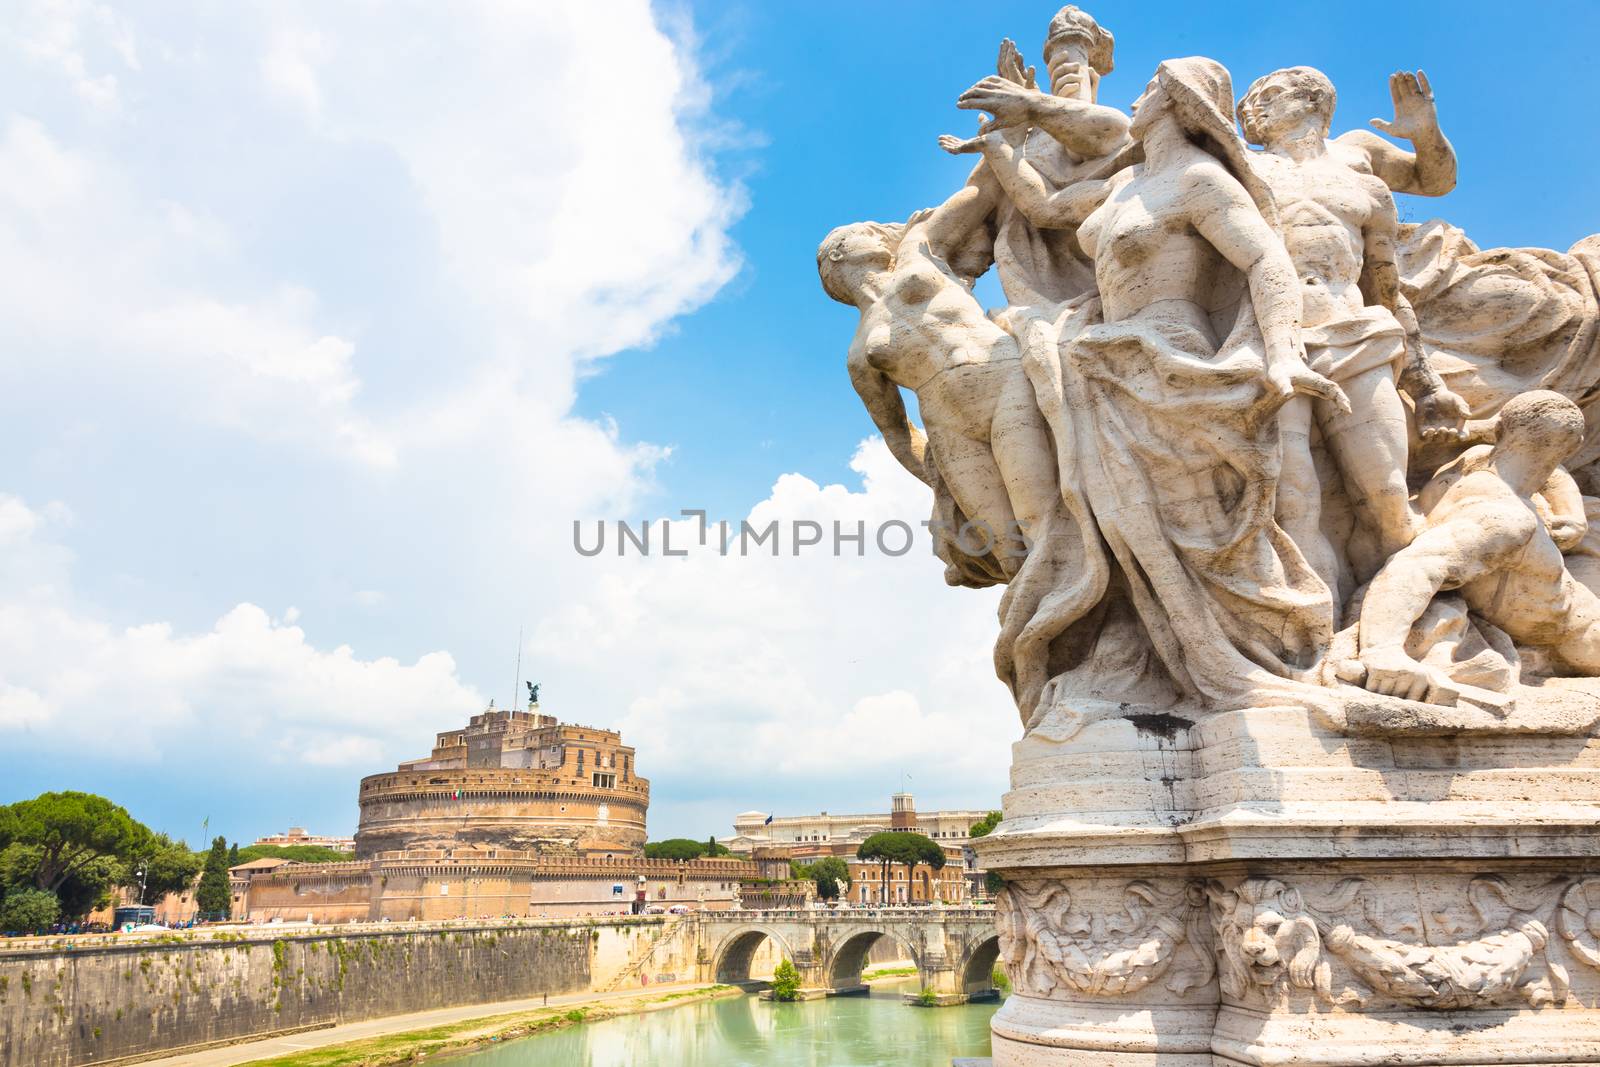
pixel 469 1034
pixel 879 974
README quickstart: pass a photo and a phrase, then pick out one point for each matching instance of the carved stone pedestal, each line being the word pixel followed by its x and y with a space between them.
pixel 1258 887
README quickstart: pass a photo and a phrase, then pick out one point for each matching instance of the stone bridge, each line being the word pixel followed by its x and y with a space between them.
pixel 954 949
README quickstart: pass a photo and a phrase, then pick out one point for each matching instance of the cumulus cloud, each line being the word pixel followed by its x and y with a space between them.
pixel 195 246
pixel 251 687
pixel 295 300
pixel 829 673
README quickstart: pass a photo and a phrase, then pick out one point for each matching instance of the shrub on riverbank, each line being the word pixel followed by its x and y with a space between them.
pixel 785 982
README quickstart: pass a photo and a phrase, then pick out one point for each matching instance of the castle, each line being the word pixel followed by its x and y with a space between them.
pixel 515 814
pixel 510 780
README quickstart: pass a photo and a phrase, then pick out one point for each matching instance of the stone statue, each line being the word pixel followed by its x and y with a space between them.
pixel 1484 536
pixel 1501 321
pixel 986 451
pixel 1069 137
pixel 1339 224
pixel 1297 511
pixel 1168 237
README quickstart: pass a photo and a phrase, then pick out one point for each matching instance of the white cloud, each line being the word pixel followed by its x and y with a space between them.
pixel 57 36
pixel 294 301
pixel 741 673
pixel 554 212
pixel 249 688
pixel 289 68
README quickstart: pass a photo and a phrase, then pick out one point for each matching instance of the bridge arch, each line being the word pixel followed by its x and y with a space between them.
pixel 977 970
pixel 731 961
pixel 850 956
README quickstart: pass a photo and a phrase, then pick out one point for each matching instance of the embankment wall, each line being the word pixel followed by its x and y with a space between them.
pixel 99 1003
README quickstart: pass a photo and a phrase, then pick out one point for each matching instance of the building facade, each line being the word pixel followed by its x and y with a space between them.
pixel 757 828
pixel 400 886
pixel 297 835
pixel 514 814
pixel 807 838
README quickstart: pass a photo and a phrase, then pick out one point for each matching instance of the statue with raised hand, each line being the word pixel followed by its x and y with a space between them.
pixel 1430 168
pixel 1339 225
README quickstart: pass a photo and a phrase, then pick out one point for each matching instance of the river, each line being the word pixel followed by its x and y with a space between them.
pixel 872 1031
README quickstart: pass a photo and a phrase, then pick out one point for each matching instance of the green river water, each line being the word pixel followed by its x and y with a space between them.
pixel 872 1031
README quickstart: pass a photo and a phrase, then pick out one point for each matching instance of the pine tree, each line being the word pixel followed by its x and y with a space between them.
pixel 233 855
pixel 215 894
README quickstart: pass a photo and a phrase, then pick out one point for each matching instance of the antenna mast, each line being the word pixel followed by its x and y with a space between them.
pixel 518 683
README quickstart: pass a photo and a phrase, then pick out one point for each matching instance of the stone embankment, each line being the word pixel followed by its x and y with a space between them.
pixel 106 1000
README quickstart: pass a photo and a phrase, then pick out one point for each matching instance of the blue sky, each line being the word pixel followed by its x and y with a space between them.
pixel 320 325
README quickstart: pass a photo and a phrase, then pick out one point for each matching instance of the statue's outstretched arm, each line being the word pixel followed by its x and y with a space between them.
pixel 1470 544
pixel 1082 127
pixel 1465 547
pixel 1026 186
pixel 1430 170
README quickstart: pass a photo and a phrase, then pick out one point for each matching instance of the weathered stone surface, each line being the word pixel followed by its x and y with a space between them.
pixel 1289 501
pixel 100 1003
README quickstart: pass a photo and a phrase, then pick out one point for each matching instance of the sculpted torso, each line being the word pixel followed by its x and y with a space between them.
pixel 928 335
pixel 1149 260
pixel 1528 592
pixel 1326 205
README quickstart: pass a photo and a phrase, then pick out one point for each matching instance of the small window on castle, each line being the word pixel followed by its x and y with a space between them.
pixel 604 781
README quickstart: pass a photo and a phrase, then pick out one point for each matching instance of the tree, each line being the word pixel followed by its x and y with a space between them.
pixel 831 874
pixel 215 895
pixel 163 866
pixel 883 848
pixel 902 847
pixel 85 888
pixel 682 848
pixel 71 830
pixel 25 911
pixel 233 855
pixel 88 888
pixel 785 981
pixel 918 848
pixel 984 826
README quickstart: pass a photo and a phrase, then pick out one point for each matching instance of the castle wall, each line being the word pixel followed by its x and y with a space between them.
pixel 430 887
pixel 98 1003
pixel 508 808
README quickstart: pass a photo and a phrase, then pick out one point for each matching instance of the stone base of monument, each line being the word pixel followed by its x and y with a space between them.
pixel 1272 886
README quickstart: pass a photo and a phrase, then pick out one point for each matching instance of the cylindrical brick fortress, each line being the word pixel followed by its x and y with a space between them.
pixel 512 780
pixel 511 808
